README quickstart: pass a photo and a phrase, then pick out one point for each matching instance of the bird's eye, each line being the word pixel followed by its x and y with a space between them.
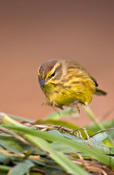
pixel 52 75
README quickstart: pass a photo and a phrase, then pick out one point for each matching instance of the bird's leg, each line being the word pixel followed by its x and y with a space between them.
pixel 46 103
pixel 53 105
pixel 75 103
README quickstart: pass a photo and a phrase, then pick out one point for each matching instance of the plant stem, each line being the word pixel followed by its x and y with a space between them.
pixel 92 116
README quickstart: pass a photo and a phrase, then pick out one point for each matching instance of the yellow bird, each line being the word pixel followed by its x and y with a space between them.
pixel 65 82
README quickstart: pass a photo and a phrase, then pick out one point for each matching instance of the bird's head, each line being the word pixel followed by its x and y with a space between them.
pixel 50 72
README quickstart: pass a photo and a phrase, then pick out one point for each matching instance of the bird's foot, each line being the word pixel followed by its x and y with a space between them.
pixel 75 104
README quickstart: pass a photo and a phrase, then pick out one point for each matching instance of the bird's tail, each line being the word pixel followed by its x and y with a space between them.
pixel 100 92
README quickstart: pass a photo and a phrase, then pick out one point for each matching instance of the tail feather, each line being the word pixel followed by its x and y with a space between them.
pixel 100 92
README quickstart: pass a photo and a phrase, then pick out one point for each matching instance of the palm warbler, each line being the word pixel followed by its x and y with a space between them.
pixel 65 83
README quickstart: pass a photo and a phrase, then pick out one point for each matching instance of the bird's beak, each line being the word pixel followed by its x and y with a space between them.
pixel 41 81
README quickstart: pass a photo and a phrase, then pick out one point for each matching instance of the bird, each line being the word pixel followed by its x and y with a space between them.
pixel 66 83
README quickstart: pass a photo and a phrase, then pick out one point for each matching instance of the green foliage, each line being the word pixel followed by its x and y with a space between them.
pixel 52 146
pixel 22 167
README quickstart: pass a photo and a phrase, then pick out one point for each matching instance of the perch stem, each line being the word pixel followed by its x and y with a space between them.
pixel 92 116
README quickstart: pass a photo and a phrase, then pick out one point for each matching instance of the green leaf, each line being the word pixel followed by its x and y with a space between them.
pixel 106 125
pixel 4 158
pixel 22 168
pixel 59 157
pixel 93 152
pixel 58 123
pixel 13 144
pixel 4 169
pixel 63 113
pixel 20 118
pixel 40 138
pixel 65 124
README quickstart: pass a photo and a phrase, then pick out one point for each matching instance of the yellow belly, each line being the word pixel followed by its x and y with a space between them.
pixel 82 92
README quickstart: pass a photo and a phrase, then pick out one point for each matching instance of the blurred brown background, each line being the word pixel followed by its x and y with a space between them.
pixel 32 31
